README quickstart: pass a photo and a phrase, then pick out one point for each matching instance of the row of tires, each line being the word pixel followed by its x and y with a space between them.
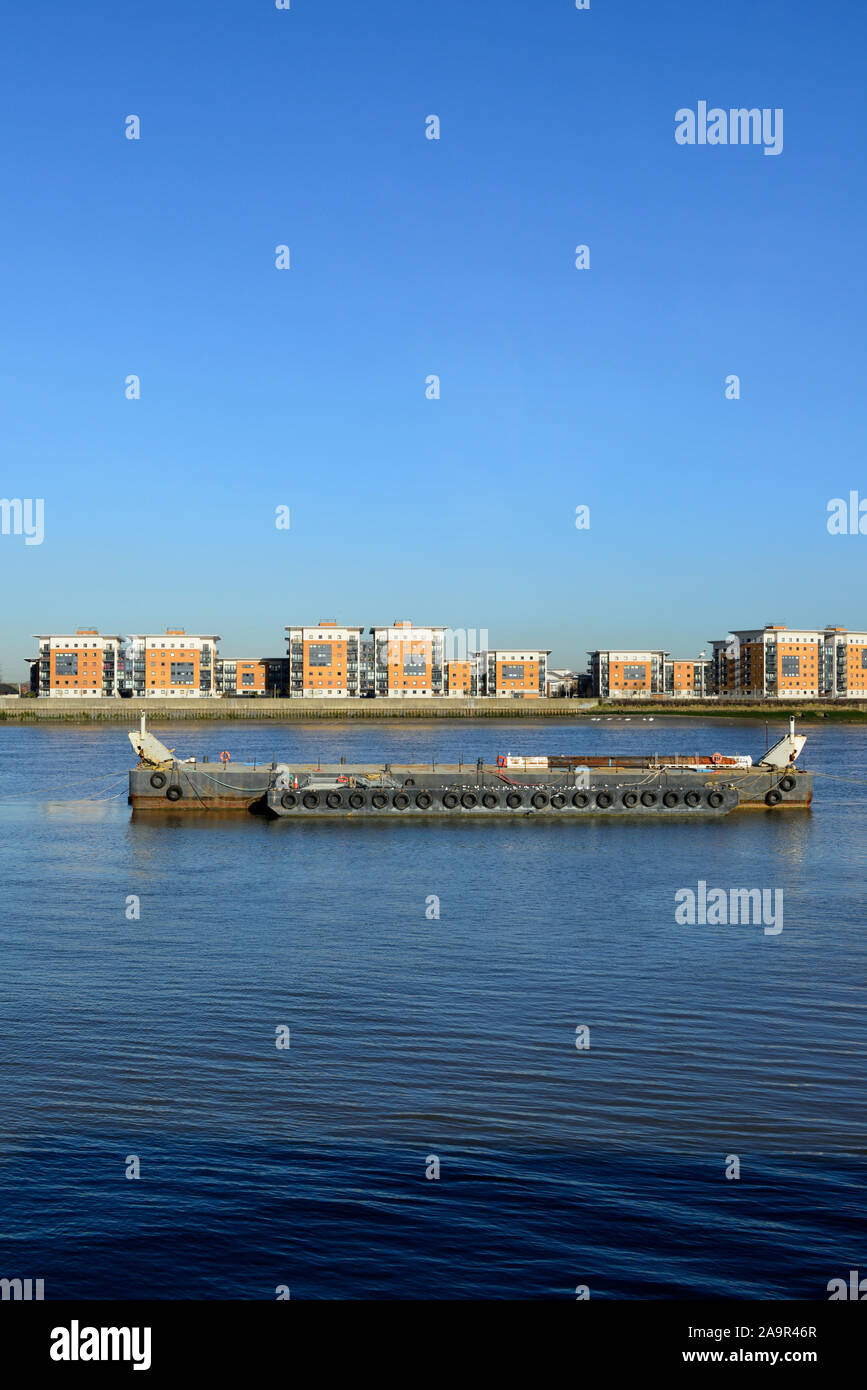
pixel 490 800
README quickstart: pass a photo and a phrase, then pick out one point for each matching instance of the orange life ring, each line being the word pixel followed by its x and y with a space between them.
pixel 501 761
pixel 225 757
pixel 343 779
pixel 717 758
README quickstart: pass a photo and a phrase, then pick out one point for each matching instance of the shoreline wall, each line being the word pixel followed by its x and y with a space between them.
pixel 21 711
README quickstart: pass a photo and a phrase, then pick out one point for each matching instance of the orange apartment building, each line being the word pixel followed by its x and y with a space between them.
pixel 683 681
pixel 776 662
pixel 408 661
pixel 519 675
pixel 172 663
pixel 72 665
pixel 251 676
pixel 246 675
pixel 849 656
pixel 628 673
pixel 324 660
pixel 460 678
pixel 254 675
pixel 687 678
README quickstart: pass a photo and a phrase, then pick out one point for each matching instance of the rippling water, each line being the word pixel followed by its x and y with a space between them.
pixel 413 1036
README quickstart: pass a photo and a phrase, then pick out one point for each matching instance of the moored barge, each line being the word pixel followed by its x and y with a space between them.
pixel 561 785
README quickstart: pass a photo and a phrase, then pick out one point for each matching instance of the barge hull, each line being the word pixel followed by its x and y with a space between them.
pixel 183 787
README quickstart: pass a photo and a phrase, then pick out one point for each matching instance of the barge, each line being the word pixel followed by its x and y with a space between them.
pixel 559 785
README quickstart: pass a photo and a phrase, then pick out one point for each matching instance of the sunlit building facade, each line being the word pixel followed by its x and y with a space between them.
pixel 82 663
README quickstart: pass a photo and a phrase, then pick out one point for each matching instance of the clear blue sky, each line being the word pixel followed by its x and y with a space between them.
pixel 410 257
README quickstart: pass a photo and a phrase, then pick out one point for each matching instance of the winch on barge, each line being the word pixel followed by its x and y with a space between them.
pixel 688 785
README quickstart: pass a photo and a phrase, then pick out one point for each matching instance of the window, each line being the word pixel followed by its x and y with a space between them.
pixel 414 662
pixel 319 654
pixel 248 678
pixel 634 673
pixel 791 666
pixel 512 671
pixel 182 672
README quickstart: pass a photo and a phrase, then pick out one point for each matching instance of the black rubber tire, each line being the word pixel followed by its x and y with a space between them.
pixel 490 801
pixel 174 794
pixel 630 799
pixel 603 800
pixel 450 800
pixel 356 800
pixel 400 801
pixel 379 800
pixel 469 800
pixel 539 800
pixel 333 799
pixel 514 800
pixel 580 800
pixel 773 797
pixel 786 784
pixel 670 799
pixel 409 782
pixel 693 798
pixel 648 798
pixel 558 800
pixel 310 800
pixel 158 779
pixel 288 799
pixel 422 801
pixel 715 799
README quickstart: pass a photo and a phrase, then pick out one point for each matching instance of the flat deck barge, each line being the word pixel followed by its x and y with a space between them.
pixel 691 785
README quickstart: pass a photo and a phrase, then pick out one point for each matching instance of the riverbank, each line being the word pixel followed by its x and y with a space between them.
pixel 26 711
pixel 840 713
pixel 127 711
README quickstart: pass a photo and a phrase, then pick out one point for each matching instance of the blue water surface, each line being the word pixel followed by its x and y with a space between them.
pixel 419 1039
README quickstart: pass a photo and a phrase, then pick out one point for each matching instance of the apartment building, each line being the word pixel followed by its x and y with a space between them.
pixel 776 662
pixel 173 662
pixel 628 674
pixel 324 660
pixel 687 678
pixel 562 684
pixel 408 661
pixel 241 675
pixel 723 667
pixel 462 677
pixel 71 665
pixel 519 675
pixel 845 663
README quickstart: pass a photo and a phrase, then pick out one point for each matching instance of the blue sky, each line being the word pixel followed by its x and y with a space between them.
pixel 412 257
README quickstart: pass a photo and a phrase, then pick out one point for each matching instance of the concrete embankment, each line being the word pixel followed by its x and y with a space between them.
pixel 127 711
pixel 20 711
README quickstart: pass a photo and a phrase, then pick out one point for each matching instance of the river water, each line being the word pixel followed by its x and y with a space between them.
pixel 429 979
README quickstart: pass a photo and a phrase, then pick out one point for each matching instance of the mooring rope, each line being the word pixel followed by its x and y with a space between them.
pixel 835 776
pixel 38 791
